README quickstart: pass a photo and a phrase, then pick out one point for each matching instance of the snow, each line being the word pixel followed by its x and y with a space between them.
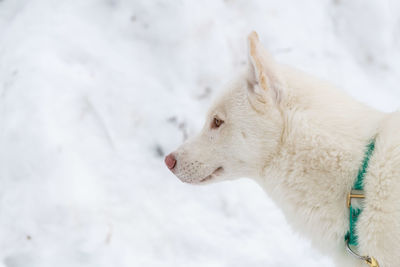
pixel 94 93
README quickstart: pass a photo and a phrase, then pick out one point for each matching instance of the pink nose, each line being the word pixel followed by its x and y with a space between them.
pixel 170 161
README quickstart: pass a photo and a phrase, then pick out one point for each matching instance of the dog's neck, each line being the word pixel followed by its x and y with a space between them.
pixel 317 162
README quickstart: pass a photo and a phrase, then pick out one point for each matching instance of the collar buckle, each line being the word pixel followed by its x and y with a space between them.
pixel 354 194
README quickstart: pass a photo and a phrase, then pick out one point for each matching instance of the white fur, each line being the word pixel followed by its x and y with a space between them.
pixel 303 142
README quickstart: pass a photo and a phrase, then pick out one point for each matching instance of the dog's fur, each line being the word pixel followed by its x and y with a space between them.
pixel 303 142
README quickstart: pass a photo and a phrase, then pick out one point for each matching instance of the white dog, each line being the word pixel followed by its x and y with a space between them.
pixel 303 142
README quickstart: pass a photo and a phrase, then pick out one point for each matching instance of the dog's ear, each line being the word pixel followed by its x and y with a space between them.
pixel 263 81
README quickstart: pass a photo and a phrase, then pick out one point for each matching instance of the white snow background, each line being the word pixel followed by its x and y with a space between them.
pixel 94 93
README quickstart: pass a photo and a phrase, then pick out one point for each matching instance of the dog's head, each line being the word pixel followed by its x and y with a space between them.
pixel 243 127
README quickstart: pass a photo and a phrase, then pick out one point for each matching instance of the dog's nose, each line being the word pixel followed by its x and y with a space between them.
pixel 170 161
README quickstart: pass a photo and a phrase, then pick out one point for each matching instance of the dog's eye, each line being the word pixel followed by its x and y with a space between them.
pixel 216 123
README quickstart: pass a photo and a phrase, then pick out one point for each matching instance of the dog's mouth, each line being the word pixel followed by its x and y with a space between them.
pixel 217 171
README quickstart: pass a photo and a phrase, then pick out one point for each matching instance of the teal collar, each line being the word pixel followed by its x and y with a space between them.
pixel 358 192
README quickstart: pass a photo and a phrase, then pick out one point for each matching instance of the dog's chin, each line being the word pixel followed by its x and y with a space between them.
pixel 208 179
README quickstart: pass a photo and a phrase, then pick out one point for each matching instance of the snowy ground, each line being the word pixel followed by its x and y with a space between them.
pixel 94 93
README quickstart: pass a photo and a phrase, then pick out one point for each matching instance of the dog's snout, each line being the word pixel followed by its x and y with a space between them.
pixel 170 161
